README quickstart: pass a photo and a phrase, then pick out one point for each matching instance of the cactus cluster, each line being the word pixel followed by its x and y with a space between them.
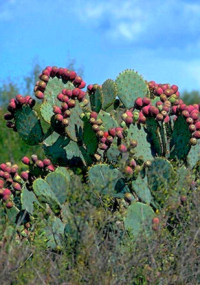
pixel 133 140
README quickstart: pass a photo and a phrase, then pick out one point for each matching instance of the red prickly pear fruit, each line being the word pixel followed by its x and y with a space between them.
pixel 67 114
pixel 20 99
pixel 159 90
pixel 65 122
pixel 11 106
pixel 39 94
pixel 112 132
pixel 42 85
pixel 145 110
pixel 71 103
pixel 8 116
pixel 146 101
pixel 103 139
pixel 189 120
pixel 60 97
pixel 164 113
pixel 151 84
pixel 47 71
pixel 128 170
pixel 67 92
pixel 77 80
pixel 31 102
pixel 44 78
pixel 194 115
pixel 167 119
pixel 6 175
pixel 95 127
pixel 177 93
pixel 168 92
pixel 119 134
pixel 129 120
pixel 103 146
pixel 9 205
pixel 193 141
pixel 1 193
pixel 26 160
pixel 17 186
pixel 192 128
pixel 24 175
pixel 122 148
pixel 163 97
pixel 6 191
pixel 1 173
pixel 82 85
pixel 175 109
pixel 182 107
pixel 155 220
pixel 3 166
pixel 153 111
pixel 90 87
pixel 166 108
pixel 159 117
pixel 81 96
pixel 100 134
pixel 197 125
pixel 6 197
pixel 34 158
pixel 142 119
pixel 175 88
pixel 133 143
pixel 47 161
pixel 54 71
pixel 57 110
pixel 64 106
pixel 58 117
pixel 75 92
pixel 129 113
pixel 139 102
pixel 106 134
pixel 132 163
pixel 109 139
pixel 66 99
pixel 196 134
pixel 72 75
pixel 39 163
pixel 93 115
pixel 1 183
pixel 50 167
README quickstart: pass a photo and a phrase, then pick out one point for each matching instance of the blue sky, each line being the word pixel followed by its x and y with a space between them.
pixel 159 39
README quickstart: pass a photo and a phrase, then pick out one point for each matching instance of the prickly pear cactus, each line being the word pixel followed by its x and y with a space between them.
pixel 129 139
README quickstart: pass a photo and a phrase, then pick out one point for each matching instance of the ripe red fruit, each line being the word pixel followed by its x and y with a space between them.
pixel 26 160
pixel 17 186
pixel 155 220
pixel 132 163
pixel 146 101
pixel 58 117
pixel 57 110
pixel 175 88
pixel 50 167
pixel 3 166
pixel 196 134
pixel 167 119
pixel 112 132
pixel 122 148
pixel 47 161
pixel 192 128
pixel 153 110
pixel 71 103
pixel 24 175
pixel 81 95
pixel 60 97
pixel 1 183
pixel 93 115
pixel 9 205
pixel 128 170
pixel 39 94
pixel 159 90
pixel 75 92
pixel 103 146
pixel 82 85
pixel 72 75
pixel 139 102
pixel 129 120
pixel 145 110
pixel 197 125
pixel 40 163
pixel 6 191
pixel 6 197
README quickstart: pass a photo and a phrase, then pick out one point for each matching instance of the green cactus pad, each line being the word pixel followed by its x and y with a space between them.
pixel 89 137
pixel 75 128
pixel 46 111
pixel 143 148
pixel 108 120
pixel 154 136
pixel 130 86
pixel 107 180
pixel 96 100
pixel 160 176
pixel 179 143
pixel 184 180
pixel 113 152
pixel 28 125
pixel 140 187
pixel 194 154
pixel 12 214
pixel 54 232
pixel 28 199
pixel 59 184
pixel 138 219
pixel 109 93
pixel 45 194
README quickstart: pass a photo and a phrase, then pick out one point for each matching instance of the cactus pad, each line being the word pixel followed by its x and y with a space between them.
pixel 130 86
pixel 109 93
